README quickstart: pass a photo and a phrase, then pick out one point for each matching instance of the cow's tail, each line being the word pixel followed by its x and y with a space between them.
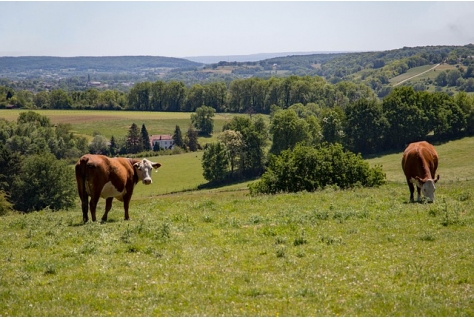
pixel 81 184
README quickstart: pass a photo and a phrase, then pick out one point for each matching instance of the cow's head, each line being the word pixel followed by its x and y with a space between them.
pixel 144 169
pixel 427 187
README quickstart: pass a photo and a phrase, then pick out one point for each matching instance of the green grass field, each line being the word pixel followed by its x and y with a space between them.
pixel 221 252
pixel 117 123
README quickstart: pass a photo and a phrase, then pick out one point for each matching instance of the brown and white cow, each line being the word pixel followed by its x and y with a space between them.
pixel 100 176
pixel 419 164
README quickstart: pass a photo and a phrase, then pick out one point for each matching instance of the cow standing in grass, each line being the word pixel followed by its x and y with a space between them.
pixel 419 163
pixel 100 176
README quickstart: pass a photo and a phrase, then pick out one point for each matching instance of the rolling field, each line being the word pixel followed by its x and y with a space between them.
pixel 221 252
pixel 117 123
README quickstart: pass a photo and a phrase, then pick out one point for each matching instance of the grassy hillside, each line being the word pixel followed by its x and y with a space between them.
pixel 360 252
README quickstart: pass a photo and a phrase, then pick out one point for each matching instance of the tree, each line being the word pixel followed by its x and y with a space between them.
pixel 288 130
pixel 332 127
pixel 33 188
pixel 41 100
pixel 195 98
pixel 232 140
pixel 139 96
pixel 255 139
pixel 174 96
pixel 202 119
pixel 365 126
pixel 191 139
pixel 215 162
pixel 145 138
pixel 59 99
pixel 134 142
pixel 113 148
pixel 178 137
pixel 98 145
pixel 10 163
pixel 407 119
pixel 452 76
pixel 441 79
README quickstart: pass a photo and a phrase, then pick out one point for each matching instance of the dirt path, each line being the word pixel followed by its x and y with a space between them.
pixel 411 77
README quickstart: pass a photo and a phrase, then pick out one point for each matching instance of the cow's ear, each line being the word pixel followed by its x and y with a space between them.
pixel 437 178
pixel 156 165
pixel 137 165
pixel 419 181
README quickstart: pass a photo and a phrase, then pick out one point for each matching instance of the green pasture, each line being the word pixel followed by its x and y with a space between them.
pixel 411 72
pixel 220 252
pixel 117 123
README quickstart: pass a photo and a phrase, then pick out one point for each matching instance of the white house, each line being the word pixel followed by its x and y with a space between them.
pixel 164 141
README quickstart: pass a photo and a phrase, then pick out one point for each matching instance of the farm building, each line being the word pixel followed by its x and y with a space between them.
pixel 164 141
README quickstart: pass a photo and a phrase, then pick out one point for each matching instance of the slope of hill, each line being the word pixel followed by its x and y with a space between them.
pixel 250 57
pixel 10 66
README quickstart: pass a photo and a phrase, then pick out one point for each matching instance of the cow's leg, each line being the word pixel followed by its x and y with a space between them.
pixel 412 190
pixel 93 206
pixel 85 204
pixel 108 206
pixel 126 204
pixel 419 194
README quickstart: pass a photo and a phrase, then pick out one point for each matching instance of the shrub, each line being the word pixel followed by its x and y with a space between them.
pixel 44 181
pixel 308 169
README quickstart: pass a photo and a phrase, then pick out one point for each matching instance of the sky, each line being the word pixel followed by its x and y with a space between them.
pixel 219 28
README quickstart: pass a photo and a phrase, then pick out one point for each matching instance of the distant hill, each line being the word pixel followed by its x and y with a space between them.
pixel 380 70
pixel 101 64
pixel 251 57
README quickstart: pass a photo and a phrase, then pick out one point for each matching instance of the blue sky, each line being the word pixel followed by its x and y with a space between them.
pixel 183 29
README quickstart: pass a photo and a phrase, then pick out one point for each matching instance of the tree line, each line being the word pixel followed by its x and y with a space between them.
pixel 253 95
pixel 364 126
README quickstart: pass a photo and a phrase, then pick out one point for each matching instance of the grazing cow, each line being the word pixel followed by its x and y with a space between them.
pixel 100 176
pixel 419 164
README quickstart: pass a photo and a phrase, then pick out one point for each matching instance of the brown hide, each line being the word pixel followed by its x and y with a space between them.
pixel 95 171
pixel 419 162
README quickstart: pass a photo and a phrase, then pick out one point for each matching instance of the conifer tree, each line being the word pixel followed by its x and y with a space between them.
pixel 145 139
pixel 178 137
pixel 134 140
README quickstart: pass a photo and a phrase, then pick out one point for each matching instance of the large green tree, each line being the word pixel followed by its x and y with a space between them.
pixel 407 120
pixel 215 162
pixel 365 126
pixel 234 145
pixel 254 132
pixel 202 119
pixel 287 130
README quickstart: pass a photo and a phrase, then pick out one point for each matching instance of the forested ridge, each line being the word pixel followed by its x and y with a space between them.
pixel 374 69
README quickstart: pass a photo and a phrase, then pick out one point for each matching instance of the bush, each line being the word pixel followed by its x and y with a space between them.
pixel 308 169
pixel 44 181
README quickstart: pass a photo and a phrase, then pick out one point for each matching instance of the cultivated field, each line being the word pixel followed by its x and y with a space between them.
pixel 220 252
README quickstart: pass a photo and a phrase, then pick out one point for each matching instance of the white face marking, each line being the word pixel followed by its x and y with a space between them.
pixel 428 189
pixel 109 190
pixel 144 169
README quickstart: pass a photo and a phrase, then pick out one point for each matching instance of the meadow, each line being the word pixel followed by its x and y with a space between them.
pixel 221 252
pixel 117 123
